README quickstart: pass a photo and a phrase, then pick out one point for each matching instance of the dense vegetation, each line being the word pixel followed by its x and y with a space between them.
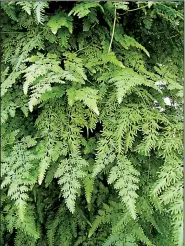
pixel 91 153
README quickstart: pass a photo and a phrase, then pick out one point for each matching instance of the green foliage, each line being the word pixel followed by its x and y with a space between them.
pixel 68 172
pixel 83 9
pixel 125 180
pixel 87 95
pixel 38 7
pixel 128 79
pixel 59 20
pixel 37 75
pixel 91 152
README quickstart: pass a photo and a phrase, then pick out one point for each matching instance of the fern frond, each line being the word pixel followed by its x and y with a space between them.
pixel 127 80
pixel 104 156
pixel 88 185
pixel 40 10
pixel 41 75
pixel 69 172
pixel 16 174
pixel 60 20
pixel 125 179
pixel 83 9
pixel 87 95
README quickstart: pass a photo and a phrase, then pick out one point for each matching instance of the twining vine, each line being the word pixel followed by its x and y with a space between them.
pixel 92 123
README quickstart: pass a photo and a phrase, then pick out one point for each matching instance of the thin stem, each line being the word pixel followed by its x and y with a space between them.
pixel 148 170
pixel 142 7
pixel 173 36
pixel 87 132
pixel 82 48
pixel 113 29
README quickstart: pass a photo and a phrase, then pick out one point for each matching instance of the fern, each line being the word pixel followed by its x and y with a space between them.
pixel 88 185
pixel 131 80
pixel 48 149
pixel 126 41
pixel 92 119
pixel 39 8
pixel 59 20
pixel 88 96
pixel 69 174
pixel 37 74
pixel 83 9
pixel 125 180
pixel 16 172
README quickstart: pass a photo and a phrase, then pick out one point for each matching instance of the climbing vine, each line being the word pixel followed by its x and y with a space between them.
pixel 92 123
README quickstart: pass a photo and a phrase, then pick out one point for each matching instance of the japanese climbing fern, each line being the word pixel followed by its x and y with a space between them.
pixel 91 153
